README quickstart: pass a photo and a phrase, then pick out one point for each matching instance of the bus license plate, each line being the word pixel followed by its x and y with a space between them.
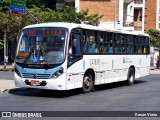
pixel 35 82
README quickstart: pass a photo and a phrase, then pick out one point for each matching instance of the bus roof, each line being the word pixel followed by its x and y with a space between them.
pixel 54 24
pixel 75 25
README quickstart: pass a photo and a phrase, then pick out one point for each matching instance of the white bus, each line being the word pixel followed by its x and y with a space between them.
pixel 64 56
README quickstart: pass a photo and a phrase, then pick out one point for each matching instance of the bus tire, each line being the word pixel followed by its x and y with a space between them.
pixel 88 84
pixel 131 76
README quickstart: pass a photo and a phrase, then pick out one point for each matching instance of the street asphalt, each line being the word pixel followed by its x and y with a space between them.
pixel 6 85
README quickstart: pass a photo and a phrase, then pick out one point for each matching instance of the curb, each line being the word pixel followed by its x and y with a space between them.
pixel 10 70
pixel 6 85
pixel 155 71
pixel 4 90
pixel 7 68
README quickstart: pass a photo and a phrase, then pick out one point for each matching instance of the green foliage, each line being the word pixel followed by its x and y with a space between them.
pixel 154 37
pixel 4 5
pixel 1 44
pixel 39 11
pixel 67 14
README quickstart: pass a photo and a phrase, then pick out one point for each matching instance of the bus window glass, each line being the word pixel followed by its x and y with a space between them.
pixel 141 45
pixel 105 42
pixel 90 43
pixel 130 44
pixel 147 45
pixel 41 46
pixel 119 40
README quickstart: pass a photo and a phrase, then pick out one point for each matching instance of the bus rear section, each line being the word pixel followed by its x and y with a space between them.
pixel 107 57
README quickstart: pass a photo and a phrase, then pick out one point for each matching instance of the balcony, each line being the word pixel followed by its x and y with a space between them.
pixel 128 1
pixel 138 25
pixel 139 2
pixel 128 24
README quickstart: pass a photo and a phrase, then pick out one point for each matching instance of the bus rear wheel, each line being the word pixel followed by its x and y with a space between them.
pixel 131 76
pixel 88 83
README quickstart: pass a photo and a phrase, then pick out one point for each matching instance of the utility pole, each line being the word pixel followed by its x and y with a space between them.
pixel 5 50
pixel 114 14
pixel 33 16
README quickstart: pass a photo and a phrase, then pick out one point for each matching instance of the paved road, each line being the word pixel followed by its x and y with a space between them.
pixel 142 96
pixel 6 75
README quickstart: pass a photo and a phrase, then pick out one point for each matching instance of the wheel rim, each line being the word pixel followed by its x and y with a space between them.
pixel 87 82
pixel 131 79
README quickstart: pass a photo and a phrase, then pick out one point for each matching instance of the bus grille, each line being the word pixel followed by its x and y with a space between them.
pixel 35 76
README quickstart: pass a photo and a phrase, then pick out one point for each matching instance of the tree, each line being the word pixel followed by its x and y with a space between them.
pixel 66 14
pixel 38 11
pixel 154 37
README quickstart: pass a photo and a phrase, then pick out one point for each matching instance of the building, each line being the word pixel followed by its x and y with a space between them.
pixel 62 3
pixel 119 14
pixel 138 15
pixel 152 14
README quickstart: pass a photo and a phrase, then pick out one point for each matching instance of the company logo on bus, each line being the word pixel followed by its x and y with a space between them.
pixel 34 76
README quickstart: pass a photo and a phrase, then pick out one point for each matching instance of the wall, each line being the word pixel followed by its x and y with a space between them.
pixel 103 7
pixel 150 14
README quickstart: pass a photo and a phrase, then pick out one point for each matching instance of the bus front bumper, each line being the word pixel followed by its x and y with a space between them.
pixel 50 84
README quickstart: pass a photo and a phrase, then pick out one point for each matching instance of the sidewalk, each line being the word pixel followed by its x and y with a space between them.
pixel 8 68
pixel 6 85
pixel 155 71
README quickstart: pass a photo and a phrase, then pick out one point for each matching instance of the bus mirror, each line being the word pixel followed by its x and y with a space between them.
pixel 70 59
pixel 70 51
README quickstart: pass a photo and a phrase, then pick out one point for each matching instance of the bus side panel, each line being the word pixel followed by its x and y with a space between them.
pixel 112 69
pixel 76 71
pixel 141 64
pixel 106 69
pixel 75 75
pixel 119 72
pixel 145 65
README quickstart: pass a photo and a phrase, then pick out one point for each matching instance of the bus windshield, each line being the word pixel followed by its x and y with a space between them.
pixel 42 46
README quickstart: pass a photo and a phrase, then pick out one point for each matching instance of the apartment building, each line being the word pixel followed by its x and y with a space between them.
pixel 62 3
pixel 119 14
pixel 152 14
pixel 110 9
pixel 132 15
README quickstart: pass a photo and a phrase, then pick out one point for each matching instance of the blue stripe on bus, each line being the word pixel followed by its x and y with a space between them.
pixel 39 71
pixel 112 63
pixel 83 65
pixel 139 61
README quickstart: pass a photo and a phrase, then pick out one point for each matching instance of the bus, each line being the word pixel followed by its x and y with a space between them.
pixel 65 56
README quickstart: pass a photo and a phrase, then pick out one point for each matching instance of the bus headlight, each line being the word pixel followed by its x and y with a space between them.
pixel 58 73
pixel 17 72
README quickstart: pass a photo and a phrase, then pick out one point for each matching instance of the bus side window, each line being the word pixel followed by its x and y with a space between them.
pixel 90 44
pixel 84 44
pixel 92 47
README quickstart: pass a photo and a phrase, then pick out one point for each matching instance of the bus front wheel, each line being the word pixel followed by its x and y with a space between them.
pixel 88 84
pixel 131 76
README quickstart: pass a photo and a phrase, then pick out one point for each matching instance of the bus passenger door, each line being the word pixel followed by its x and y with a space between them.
pixel 74 49
pixel 74 61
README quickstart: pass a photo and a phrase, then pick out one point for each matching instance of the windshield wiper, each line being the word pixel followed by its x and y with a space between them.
pixel 28 56
pixel 46 65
